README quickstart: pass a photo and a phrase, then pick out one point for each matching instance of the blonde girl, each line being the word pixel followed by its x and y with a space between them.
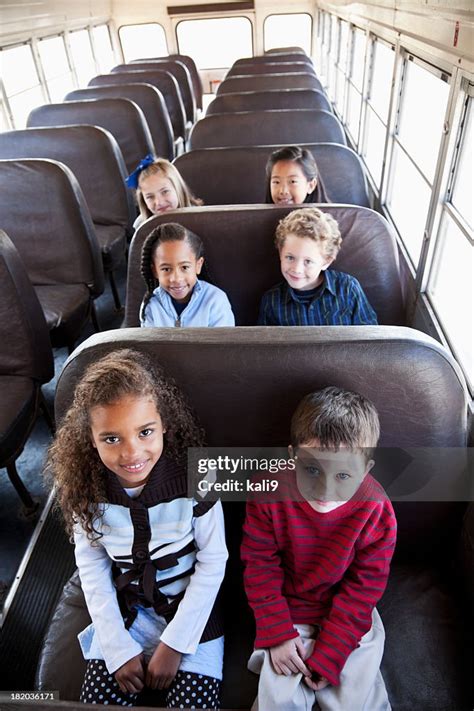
pixel 159 188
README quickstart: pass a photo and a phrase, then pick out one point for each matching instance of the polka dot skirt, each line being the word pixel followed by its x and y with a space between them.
pixel 188 690
pixel 100 687
pixel 193 691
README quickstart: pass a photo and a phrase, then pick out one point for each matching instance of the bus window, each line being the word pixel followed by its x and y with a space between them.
pixel 376 118
pixel 463 187
pixel 323 46
pixel 143 41
pixel 341 69
pixel 21 83
pixel 454 254
pixel 408 201
pixel 423 107
pixel 4 123
pixel 423 98
pixel 450 291
pixel 103 51
pixel 57 73
pixel 286 30
pixel 333 57
pixel 82 57
pixel 217 42
pixel 355 84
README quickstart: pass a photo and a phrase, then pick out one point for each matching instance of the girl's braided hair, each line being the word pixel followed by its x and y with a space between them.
pixel 305 159
pixel 168 232
pixel 74 465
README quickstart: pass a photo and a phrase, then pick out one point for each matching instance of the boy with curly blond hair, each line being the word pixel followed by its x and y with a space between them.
pixel 308 241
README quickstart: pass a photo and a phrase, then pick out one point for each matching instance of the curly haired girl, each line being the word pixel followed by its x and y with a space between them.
pixel 151 559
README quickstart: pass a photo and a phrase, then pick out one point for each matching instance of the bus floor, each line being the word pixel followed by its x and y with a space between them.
pixel 18 530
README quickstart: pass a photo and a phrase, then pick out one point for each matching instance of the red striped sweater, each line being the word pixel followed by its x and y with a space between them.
pixel 327 569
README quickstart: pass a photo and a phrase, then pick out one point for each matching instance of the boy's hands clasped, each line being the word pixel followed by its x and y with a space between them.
pixel 288 658
pixel 157 674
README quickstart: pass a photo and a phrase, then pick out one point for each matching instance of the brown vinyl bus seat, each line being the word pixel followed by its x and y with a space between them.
pixel 237 175
pixel 190 64
pixel 122 117
pixel 95 158
pixel 44 212
pixel 275 57
pixel 270 68
pixel 257 128
pixel 271 99
pixel 285 50
pixel 263 82
pixel 176 69
pixel 242 260
pixel 149 99
pixel 26 363
pixel 163 81
pixel 244 384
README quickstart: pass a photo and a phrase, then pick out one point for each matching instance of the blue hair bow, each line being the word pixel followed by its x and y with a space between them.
pixel 132 179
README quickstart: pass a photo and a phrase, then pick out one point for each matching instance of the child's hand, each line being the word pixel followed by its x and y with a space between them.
pixel 131 675
pixel 162 667
pixel 316 682
pixel 287 657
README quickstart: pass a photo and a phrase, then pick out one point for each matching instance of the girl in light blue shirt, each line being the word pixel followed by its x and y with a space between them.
pixel 172 259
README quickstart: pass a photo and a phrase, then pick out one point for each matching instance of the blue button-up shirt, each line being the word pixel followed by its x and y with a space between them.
pixel 339 302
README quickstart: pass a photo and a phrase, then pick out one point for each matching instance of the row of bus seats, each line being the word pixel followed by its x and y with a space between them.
pixel 69 167
pixel 101 159
pixel 111 213
pixel 96 159
pixel 245 383
pixel 56 240
pixel 25 364
pixel 242 260
pixel 236 174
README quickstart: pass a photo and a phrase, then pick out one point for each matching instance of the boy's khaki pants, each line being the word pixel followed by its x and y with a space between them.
pixel 361 685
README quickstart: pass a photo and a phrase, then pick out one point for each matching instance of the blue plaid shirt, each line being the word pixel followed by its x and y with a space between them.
pixel 339 302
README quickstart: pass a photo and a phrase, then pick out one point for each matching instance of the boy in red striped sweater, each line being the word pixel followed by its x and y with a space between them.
pixel 317 562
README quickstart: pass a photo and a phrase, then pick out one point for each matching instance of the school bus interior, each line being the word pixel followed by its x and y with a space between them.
pixel 382 95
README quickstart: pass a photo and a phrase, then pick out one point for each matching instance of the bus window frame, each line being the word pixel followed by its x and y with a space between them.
pixel 93 43
pixel 460 142
pixel 463 93
pixel 286 14
pixel 195 18
pixel 138 24
pixel 37 53
pixel 76 30
pixel 351 85
pixel 406 56
pixel 7 110
pixel 341 69
pixel 368 106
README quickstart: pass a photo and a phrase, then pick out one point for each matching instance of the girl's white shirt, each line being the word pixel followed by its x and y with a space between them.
pixel 184 631
pixel 134 491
